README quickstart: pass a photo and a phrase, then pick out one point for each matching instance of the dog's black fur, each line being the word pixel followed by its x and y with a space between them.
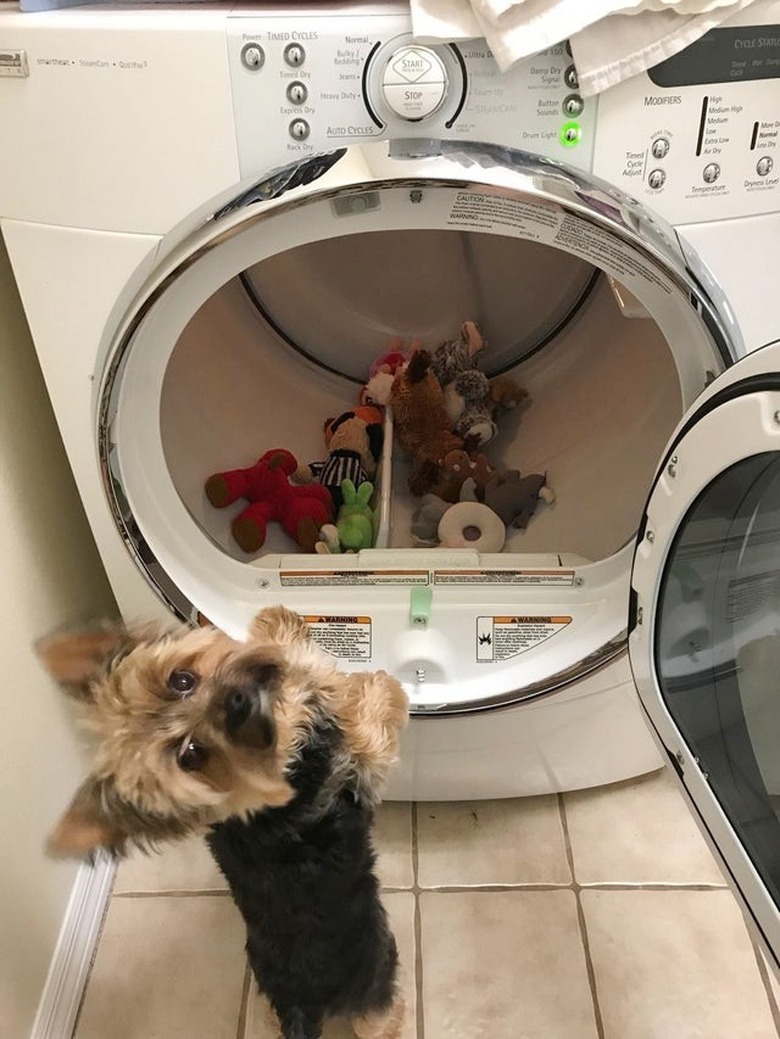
pixel 302 876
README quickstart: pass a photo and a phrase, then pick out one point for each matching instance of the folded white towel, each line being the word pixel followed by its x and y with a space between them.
pixel 622 46
pixel 554 13
pixel 443 21
pixel 607 46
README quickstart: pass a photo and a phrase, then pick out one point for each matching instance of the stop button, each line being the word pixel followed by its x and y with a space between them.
pixel 414 82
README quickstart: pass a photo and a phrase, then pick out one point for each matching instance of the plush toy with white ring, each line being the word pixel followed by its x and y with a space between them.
pixel 470 524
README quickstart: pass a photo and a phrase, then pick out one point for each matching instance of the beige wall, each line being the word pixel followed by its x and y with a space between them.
pixel 50 575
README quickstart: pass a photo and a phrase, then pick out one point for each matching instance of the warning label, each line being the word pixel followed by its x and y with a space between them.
pixel 346 638
pixel 484 211
pixel 554 577
pixel 342 578
pixel 499 638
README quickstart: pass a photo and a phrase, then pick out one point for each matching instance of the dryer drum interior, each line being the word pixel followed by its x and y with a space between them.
pixel 261 329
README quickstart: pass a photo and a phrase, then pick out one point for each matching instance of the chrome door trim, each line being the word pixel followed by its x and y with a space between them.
pixel 541 180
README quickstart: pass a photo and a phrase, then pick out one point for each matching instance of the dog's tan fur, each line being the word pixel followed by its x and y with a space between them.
pixel 136 792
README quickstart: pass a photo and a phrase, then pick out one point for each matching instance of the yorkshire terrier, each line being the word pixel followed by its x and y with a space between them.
pixel 279 758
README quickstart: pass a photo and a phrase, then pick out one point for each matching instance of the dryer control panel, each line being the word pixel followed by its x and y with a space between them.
pixel 309 84
pixel 698 137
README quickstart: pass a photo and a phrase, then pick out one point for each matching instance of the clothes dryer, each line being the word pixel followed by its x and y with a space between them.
pixel 219 217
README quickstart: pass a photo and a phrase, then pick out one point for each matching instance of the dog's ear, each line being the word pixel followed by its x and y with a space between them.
pixel 76 658
pixel 280 625
pixel 86 827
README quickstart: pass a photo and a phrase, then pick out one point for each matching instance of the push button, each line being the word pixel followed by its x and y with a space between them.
pixel 414 82
pixel 299 129
pixel 294 55
pixel 297 93
pixel 656 179
pixel 764 165
pixel 660 148
pixel 252 56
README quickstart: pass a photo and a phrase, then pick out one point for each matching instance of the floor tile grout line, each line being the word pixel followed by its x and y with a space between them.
pixel 766 982
pixel 243 1009
pixel 576 888
pixel 418 964
pixel 581 922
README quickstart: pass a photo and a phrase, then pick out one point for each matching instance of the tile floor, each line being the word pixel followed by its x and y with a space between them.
pixel 594 914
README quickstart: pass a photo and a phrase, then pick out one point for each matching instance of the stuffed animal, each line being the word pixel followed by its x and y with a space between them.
pixel 425 521
pixel 300 510
pixel 466 524
pixel 514 498
pixel 384 369
pixel 454 356
pixel 354 527
pixel 455 468
pixel 354 443
pixel 422 426
pixel 467 399
pixel 471 524
pixel 471 399
pixel 504 394
pixel 466 389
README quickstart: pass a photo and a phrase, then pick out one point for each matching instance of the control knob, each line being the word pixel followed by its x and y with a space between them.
pixel 414 82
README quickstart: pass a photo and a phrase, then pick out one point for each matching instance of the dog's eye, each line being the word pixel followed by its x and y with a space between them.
pixel 192 756
pixel 182 681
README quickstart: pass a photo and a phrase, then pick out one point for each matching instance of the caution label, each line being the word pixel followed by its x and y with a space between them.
pixel 342 578
pixel 499 638
pixel 346 638
pixel 538 577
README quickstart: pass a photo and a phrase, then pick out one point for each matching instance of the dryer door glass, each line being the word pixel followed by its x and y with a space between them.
pixel 705 645
pixel 718 649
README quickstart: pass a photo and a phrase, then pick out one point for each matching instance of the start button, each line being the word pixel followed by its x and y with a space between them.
pixel 414 82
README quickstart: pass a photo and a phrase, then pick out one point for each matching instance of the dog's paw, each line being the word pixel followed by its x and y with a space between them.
pixel 373 711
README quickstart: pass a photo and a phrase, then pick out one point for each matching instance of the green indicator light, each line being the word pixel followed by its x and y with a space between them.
pixel 569 135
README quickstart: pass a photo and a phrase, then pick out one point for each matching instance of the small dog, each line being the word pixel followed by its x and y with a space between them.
pixel 279 758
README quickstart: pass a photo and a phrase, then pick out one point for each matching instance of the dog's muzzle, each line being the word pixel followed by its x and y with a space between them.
pixel 248 707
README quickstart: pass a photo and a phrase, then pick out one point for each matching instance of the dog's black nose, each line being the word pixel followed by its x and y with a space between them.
pixel 238 706
pixel 248 708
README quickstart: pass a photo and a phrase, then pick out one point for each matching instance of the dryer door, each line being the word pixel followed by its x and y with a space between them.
pixel 705 639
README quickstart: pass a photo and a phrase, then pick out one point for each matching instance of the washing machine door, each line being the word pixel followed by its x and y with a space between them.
pixel 705 619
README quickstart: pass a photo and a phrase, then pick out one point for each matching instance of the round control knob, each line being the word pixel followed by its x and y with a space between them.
pixel 299 129
pixel 414 82
pixel 252 56
pixel 294 55
pixel 764 165
pixel 297 93
pixel 660 148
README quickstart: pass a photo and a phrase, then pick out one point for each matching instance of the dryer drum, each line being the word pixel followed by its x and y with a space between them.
pixel 267 321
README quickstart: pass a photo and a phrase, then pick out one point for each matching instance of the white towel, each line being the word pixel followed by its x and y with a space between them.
pixel 607 46
pixel 622 46
pixel 558 12
pixel 443 21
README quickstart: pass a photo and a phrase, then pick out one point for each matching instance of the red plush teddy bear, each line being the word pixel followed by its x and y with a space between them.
pixel 300 510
